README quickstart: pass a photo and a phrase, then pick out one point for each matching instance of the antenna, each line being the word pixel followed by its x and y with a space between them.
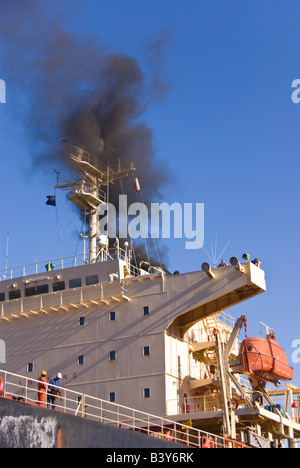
pixel 7 246
pixel 213 258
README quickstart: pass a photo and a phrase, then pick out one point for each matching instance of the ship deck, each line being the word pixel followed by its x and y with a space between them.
pixel 211 421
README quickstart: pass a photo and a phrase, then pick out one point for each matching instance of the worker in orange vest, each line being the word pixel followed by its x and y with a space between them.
pixel 42 388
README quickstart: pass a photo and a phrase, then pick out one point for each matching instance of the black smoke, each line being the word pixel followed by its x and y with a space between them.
pixel 73 86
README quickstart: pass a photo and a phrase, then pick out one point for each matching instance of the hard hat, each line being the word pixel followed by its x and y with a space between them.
pixel 44 372
pixel 59 376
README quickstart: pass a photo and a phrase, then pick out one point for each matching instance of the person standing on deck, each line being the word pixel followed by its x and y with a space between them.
pixel 53 391
pixel 42 389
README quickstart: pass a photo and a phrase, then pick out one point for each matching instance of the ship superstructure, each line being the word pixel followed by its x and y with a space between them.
pixel 147 339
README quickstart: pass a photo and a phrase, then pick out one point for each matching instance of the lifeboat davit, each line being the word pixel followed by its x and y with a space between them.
pixel 262 359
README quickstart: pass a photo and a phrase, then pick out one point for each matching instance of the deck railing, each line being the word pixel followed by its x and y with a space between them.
pixel 65 262
pixel 18 387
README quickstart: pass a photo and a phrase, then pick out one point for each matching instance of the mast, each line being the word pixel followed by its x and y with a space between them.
pixel 86 192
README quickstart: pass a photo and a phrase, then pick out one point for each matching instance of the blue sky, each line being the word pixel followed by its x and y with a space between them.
pixel 227 131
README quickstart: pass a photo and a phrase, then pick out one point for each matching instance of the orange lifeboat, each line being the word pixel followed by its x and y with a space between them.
pixel 263 360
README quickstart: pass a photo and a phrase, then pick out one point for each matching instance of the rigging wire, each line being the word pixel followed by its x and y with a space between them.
pixel 58 235
pixel 7 247
pixel 57 224
pixel 82 225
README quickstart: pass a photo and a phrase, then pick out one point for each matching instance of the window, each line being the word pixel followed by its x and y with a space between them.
pixel 80 360
pixel 112 316
pixel 14 294
pixel 59 286
pixel 112 356
pixel 146 392
pixel 43 289
pixel 146 310
pixel 2 297
pixel 93 279
pixel 112 397
pixel 146 351
pixel 30 367
pixel 35 290
pixel 75 283
pixel 81 321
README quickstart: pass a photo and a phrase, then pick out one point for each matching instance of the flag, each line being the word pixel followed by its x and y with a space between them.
pixel 136 185
pixel 51 200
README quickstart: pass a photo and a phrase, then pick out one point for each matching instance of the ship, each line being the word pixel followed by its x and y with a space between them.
pixel 146 358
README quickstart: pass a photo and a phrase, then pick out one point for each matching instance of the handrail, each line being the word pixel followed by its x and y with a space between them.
pixel 62 263
pixel 23 388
